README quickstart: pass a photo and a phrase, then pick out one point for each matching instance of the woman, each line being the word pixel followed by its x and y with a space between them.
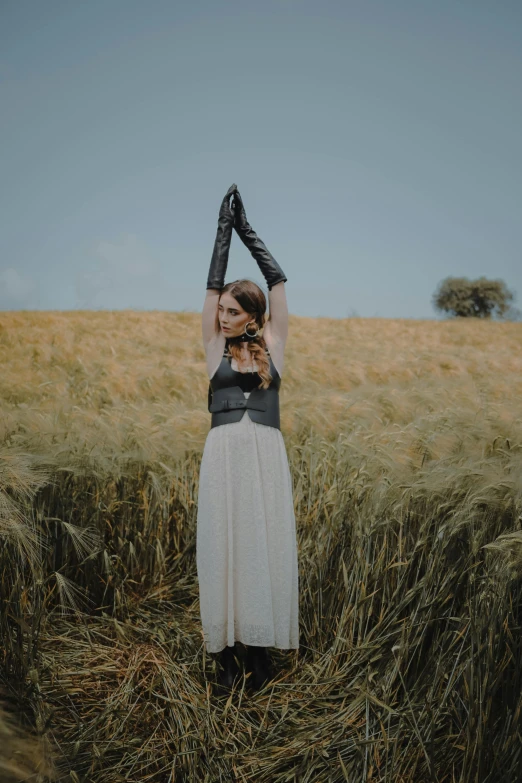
pixel 246 534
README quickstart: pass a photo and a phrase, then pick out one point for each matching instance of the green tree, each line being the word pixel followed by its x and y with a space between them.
pixel 479 298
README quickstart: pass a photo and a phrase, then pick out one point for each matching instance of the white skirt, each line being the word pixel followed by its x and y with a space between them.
pixel 246 548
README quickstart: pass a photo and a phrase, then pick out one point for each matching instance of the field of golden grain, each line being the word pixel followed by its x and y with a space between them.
pixel 405 446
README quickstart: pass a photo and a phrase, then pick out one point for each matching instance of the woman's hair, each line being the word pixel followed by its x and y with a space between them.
pixel 253 301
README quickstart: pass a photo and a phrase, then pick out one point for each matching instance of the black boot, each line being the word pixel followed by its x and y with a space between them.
pixel 259 663
pixel 227 669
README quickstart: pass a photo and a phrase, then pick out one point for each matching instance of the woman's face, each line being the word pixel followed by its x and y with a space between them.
pixel 232 315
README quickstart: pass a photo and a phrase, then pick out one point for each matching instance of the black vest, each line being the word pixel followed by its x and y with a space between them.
pixel 227 402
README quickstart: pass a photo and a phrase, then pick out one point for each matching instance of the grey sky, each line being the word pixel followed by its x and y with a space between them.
pixel 376 145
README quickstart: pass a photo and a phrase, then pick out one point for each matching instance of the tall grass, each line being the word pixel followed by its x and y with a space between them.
pixel 404 442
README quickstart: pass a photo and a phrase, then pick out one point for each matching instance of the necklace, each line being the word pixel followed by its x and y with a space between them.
pixel 251 363
pixel 243 356
pixel 228 341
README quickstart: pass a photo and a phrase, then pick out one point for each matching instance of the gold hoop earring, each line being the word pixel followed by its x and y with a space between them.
pixel 246 332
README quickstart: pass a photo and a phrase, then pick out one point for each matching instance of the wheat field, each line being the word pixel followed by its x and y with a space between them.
pixel 404 440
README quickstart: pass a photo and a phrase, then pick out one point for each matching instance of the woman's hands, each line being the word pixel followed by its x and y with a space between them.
pixel 234 216
pixel 241 223
pixel 219 260
pixel 227 210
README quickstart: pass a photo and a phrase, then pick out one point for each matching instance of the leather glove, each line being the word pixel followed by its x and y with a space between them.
pixel 219 260
pixel 269 267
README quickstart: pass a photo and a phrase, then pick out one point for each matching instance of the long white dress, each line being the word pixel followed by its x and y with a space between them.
pixel 246 547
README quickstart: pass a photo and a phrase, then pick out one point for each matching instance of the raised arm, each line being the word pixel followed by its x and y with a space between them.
pixel 218 267
pixel 277 323
pixel 209 314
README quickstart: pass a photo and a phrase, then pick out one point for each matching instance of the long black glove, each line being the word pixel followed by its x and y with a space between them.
pixel 266 262
pixel 219 260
